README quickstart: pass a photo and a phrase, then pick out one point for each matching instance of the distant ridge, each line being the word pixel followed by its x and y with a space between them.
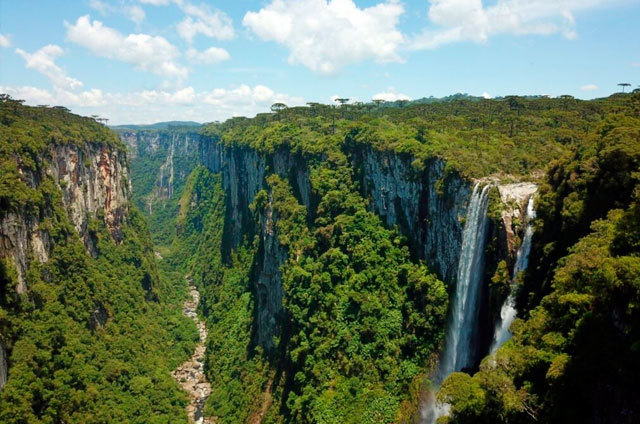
pixel 156 126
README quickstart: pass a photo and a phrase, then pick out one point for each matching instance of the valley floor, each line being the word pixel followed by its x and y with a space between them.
pixel 190 374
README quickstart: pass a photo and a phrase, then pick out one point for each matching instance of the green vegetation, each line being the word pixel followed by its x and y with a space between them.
pixel 361 321
pixel 512 136
pixel 152 148
pixel 25 134
pixel 94 339
pixel 575 356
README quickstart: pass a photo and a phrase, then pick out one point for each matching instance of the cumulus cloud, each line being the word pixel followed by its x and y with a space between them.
pixel 589 87
pixel 486 95
pixel 146 52
pixel 204 20
pixel 390 96
pixel 149 106
pixel 56 96
pixel 210 56
pixel 326 35
pixel 43 61
pixel 134 13
pixel 5 41
pixel 470 20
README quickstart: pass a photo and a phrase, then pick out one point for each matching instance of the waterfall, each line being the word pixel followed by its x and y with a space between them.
pixel 3 367
pixel 508 311
pixel 458 352
pixel 459 349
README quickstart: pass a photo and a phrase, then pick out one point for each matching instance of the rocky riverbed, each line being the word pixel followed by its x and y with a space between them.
pixel 190 374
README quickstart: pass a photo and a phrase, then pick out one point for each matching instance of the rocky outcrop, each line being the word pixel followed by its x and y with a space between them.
pixel 514 198
pixel 190 374
pixel 94 183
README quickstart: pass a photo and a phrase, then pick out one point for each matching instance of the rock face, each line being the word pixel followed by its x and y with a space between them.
pixel 94 182
pixel 428 206
pixel 170 154
pixel 268 286
pixel 515 197
pixel 243 175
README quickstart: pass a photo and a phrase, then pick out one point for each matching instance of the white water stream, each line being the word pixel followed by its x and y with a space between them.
pixel 508 311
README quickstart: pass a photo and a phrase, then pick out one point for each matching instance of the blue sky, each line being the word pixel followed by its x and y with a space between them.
pixel 142 61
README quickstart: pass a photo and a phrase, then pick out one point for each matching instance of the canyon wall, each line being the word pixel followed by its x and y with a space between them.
pixel 94 182
pixel 429 206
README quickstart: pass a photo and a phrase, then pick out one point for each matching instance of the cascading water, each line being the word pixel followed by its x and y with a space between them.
pixel 3 367
pixel 458 353
pixel 508 311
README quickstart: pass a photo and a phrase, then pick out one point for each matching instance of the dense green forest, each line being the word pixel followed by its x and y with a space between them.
pixel 94 337
pixel 363 321
pixel 360 317
pixel 574 356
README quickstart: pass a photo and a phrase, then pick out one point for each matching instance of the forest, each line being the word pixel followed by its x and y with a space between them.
pixel 325 300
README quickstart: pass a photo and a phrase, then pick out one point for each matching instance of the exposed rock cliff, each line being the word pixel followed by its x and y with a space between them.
pixel 429 206
pixel 243 175
pixel 268 287
pixel 94 183
pixel 515 198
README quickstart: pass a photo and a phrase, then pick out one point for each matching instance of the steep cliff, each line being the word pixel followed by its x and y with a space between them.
pixel 161 161
pixel 429 205
pixel 94 183
pixel 83 308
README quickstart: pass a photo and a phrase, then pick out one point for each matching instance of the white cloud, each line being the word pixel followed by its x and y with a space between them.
pixel 160 105
pixel 135 13
pixel 101 6
pixel 486 95
pixel 211 56
pixel 326 35
pixel 469 20
pixel 32 95
pixel 5 41
pixel 57 96
pixel 203 20
pixel 146 52
pixel 199 19
pixel 391 96
pixel 43 61
pixel 589 87
pixel 156 2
